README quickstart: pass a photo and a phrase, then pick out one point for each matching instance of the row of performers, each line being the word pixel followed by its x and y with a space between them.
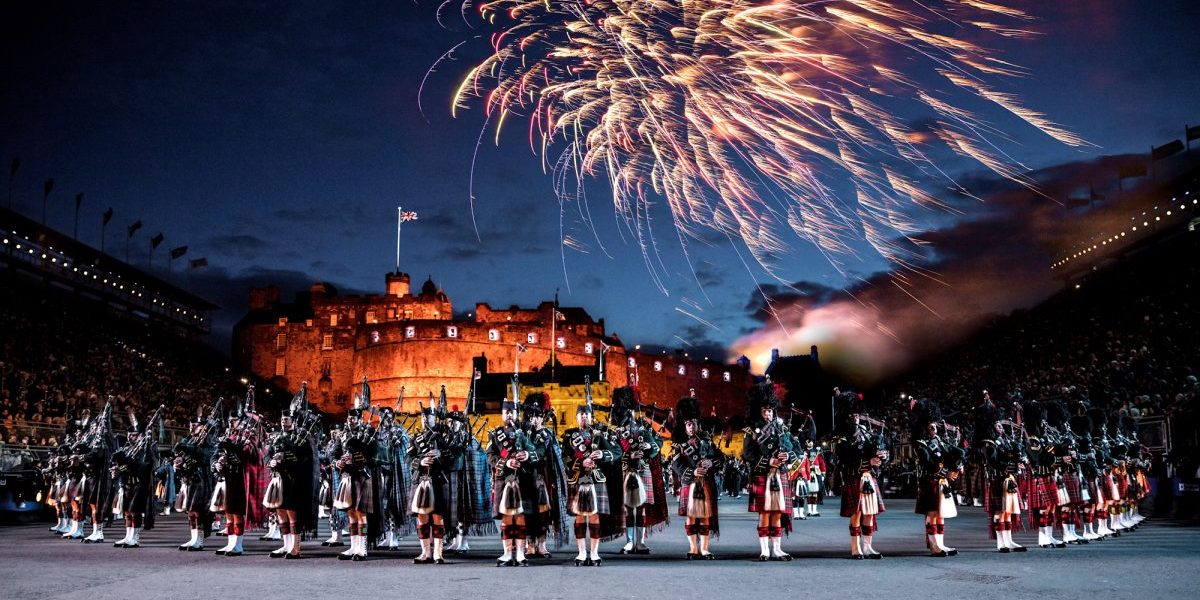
pixel 595 481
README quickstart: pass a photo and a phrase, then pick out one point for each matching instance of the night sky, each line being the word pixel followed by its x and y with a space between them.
pixel 276 140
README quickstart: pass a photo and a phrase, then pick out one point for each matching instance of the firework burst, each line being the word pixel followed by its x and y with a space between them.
pixel 745 116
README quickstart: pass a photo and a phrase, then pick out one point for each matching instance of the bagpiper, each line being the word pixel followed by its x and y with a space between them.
pixel 695 461
pixel 550 517
pixel 293 487
pixel 393 474
pixel 514 461
pixel 193 456
pixel 939 464
pixel 642 480
pixel 1005 463
pixel 330 478
pixel 1042 488
pixel 590 449
pixel 769 452
pixel 471 482
pixel 356 491
pixel 430 458
pixel 97 479
pixel 241 476
pixel 860 456
pixel 133 466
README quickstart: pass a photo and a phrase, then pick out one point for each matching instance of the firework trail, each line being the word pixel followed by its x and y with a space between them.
pixel 745 116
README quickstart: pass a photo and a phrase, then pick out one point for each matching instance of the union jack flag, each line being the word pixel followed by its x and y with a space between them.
pixel 521 347
pixel 407 216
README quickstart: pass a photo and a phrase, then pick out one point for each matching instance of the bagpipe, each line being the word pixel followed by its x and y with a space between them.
pixel 124 457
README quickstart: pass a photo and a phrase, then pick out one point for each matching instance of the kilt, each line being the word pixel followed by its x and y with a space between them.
pixel 929 496
pixel 764 500
pixel 647 484
pixel 698 499
pixel 852 497
pixel 1095 490
pixel 439 485
pixel 194 495
pixel 354 493
pixel 71 489
pixel 95 489
pixel 235 493
pixel 1122 481
pixel 1074 489
pixel 598 492
pixel 1143 484
pixel 1042 493
pixel 522 498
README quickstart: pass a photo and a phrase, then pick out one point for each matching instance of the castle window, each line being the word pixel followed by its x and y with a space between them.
pixel 682 370
pixel 327 341
pixel 333 320
pixel 451 332
pixel 280 341
pixel 408 315
pixel 493 335
pixel 587 347
pixel 410 332
pixel 704 373
pixel 725 376
pixel 391 314
pixel 280 369
pixel 632 363
pixel 308 322
pixel 371 316
pixel 375 337
pixel 531 338
pixel 657 366
pixel 282 321
pixel 561 343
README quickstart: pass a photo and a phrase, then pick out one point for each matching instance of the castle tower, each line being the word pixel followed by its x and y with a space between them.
pixel 397 284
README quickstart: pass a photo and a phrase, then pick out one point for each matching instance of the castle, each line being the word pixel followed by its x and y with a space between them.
pixel 413 341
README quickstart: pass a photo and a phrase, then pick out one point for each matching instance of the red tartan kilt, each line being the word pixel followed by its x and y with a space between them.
pixel 929 496
pixel 992 502
pixel 685 494
pixel 1095 490
pixel 647 483
pixel 852 494
pixel 1043 493
pixel 1123 486
pixel 758 489
pixel 1074 493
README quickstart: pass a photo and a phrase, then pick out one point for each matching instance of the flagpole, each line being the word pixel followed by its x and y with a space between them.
pixel 553 334
pixel 399 220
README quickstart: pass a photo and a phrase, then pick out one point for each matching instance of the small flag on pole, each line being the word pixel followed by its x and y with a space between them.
pixel 178 252
pixel 558 316
pixel 478 375
pixel 409 215
pixel 107 216
pixel 604 348
pixel 520 347
pixel 156 240
pixel 196 263
pixel 1167 149
pixel 134 227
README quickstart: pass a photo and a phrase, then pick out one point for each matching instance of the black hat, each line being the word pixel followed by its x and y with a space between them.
pixel 924 412
pixel 624 405
pixel 536 405
pixel 456 414
pixel 761 396
pixel 686 409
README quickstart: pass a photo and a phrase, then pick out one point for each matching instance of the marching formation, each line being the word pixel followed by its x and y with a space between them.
pixel 1077 478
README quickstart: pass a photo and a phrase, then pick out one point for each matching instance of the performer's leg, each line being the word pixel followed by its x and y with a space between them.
pixel 855 536
pixel 702 532
pixel 764 540
pixel 581 538
pixel 867 528
pixel 594 533
pixel 518 539
pixel 507 529
pixel 437 535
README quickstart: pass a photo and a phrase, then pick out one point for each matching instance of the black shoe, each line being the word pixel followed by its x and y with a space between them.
pixel 940 554
pixel 233 553
pixel 336 544
pixel 763 558
pixel 348 557
pixel 875 556
pixel 952 552
pixel 857 557
pixel 641 551
pixel 709 556
pixel 290 556
pixel 133 545
pixel 421 561
pixel 522 563
pixel 579 562
pixel 118 544
pixel 1045 545
pixel 1060 545
pixel 596 563
pixel 1020 549
pixel 1004 550
pixel 277 553
pixel 195 548
pixel 785 557
pixel 325 543
pixel 439 561
pixel 693 556
pixel 220 552
pixel 358 558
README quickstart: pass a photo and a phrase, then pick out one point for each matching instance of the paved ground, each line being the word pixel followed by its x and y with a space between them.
pixel 1158 560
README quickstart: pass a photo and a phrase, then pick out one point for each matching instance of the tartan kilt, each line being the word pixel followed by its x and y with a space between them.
pixel 354 493
pixel 647 483
pixel 758 494
pixel 1123 486
pixel 710 493
pixel 1074 489
pixel 1095 490
pixel 929 496
pixel 1042 493
pixel 852 497
pixel 603 506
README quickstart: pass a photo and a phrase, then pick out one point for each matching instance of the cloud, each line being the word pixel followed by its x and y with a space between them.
pixel 990 262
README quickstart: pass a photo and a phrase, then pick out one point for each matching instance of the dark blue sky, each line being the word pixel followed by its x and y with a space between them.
pixel 276 139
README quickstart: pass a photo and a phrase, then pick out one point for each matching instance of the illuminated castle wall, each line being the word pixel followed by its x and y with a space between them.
pixel 412 340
